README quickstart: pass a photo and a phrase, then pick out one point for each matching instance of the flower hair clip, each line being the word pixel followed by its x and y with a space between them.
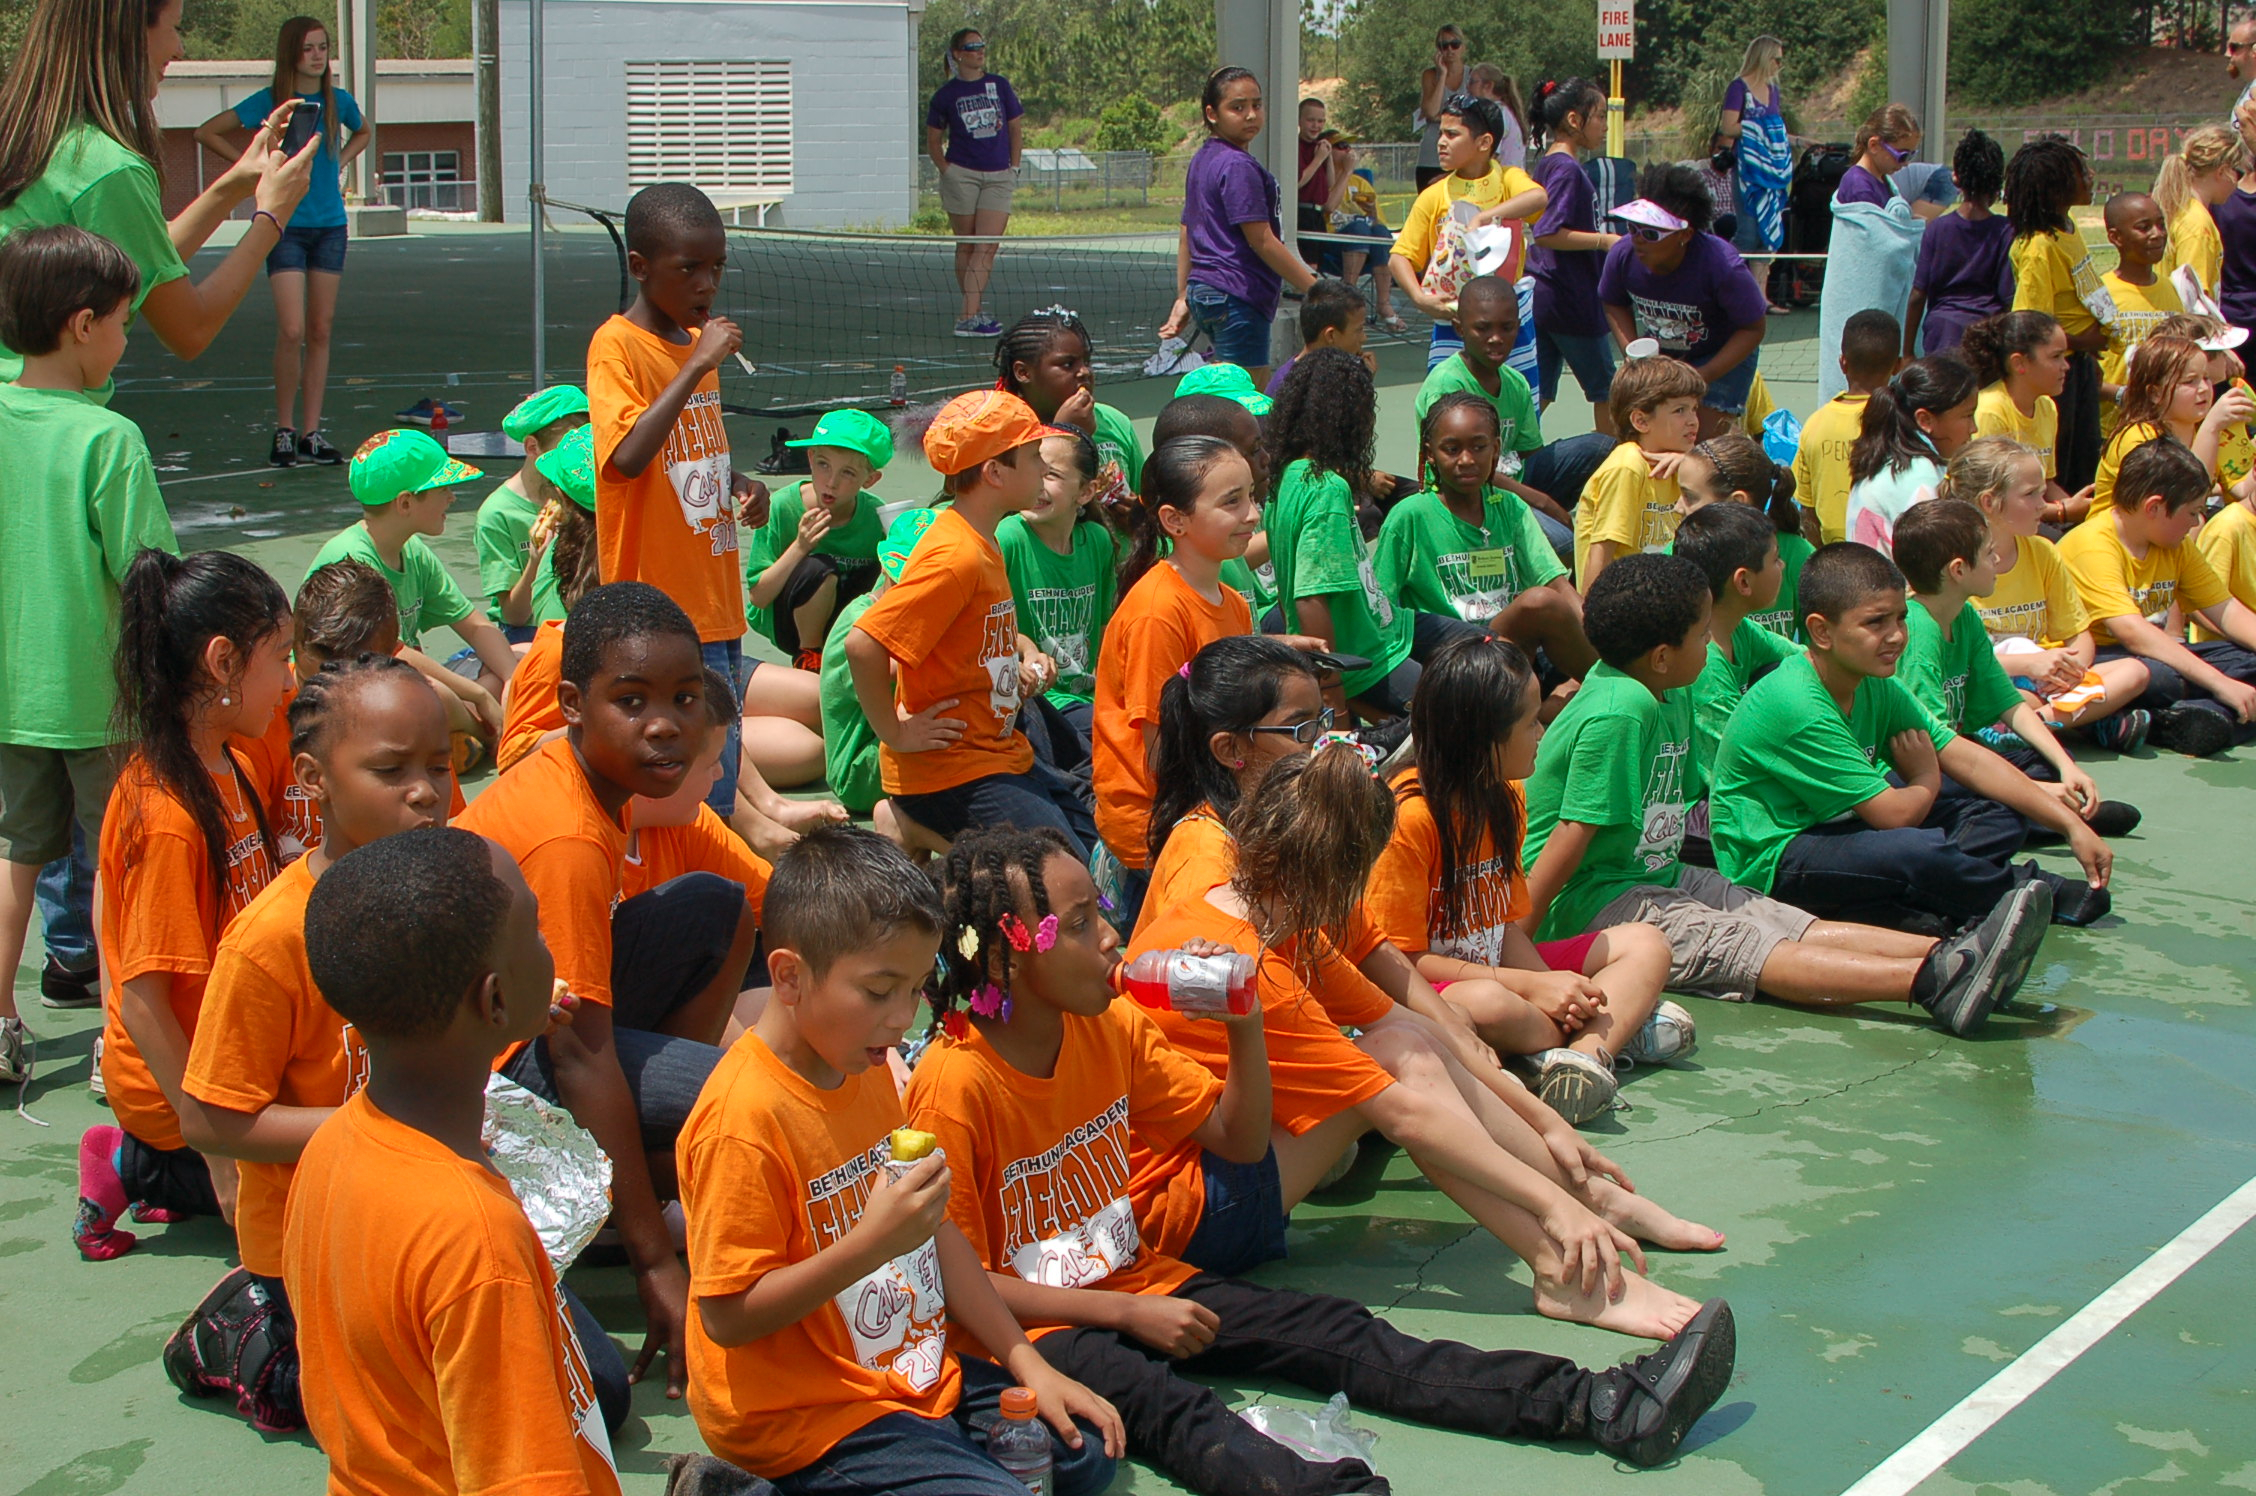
pixel 954 1024
pixel 1045 933
pixel 1014 931
pixel 1349 741
pixel 990 1001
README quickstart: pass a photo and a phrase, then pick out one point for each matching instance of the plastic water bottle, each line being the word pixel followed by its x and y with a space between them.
pixel 438 416
pixel 900 388
pixel 1208 985
pixel 1020 1442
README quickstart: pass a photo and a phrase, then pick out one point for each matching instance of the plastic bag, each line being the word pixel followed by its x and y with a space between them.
pixel 1322 1438
pixel 1175 356
pixel 1781 436
pixel 562 1178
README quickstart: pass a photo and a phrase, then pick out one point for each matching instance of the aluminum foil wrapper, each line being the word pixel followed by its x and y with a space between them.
pixel 896 1168
pixel 562 1178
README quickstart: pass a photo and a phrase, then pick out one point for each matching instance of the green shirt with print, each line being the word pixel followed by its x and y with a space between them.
pixel 504 537
pixel 428 597
pixel 1619 759
pixel 854 543
pixel 1431 561
pixel 849 742
pixel 78 501
pixel 1319 551
pixel 1520 425
pixel 1063 602
pixel 105 188
pixel 1716 694
pixel 1783 617
pixel 1117 449
pixel 1790 761
pixel 1957 679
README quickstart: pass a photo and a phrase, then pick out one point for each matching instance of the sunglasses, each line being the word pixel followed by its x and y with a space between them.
pixel 1644 235
pixel 1455 46
pixel 972 47
pixel 1304 733
pixel 1899 157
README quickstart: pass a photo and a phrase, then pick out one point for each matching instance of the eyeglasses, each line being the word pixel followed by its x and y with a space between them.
pixel 1304 733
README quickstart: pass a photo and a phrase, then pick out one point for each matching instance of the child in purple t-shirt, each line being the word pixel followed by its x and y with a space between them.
pixel 1884 142
pixel 1567 249
pixel 1233 264
pixel 1673 281
pixel 1965 270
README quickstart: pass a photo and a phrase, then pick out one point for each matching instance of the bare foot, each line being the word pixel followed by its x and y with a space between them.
pixel 806 815
pixel 766 837
pixel 1645 1308
pixel 1647 1221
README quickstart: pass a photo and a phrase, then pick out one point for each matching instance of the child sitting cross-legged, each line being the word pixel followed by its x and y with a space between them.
pixel 818 550
pixel 1944 551
pixel 1607 810
pixel 1449 892
pixel 1305 840
pixel 2036 622
pixel 1741 561
pixel 1046 360
pixel 2169 390
pixel 828 1283
pixel 1732 467
pixel 1059 1108
pixel 1913 425
pixel 438 1351
pixel 1803 805
pixel 1629 505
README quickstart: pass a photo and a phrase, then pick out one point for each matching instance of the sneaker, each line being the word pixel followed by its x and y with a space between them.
pixel 285 451
pixel 423 410
pixel 101 1197
pixel 314 447
pixel 2001 739
pixel 1577 1086
pixel 19 1052
pixel 1640 1411
pixel 60 987
pixel 238 1343
pixel 2125 732
pixel 1667 1035
pixel 97 1087
pixel 2075 902
pixel 2115 817
pixel 1964 978
pixel 1340 1169
pixel 969 328
pixel 809 660
pixel 2190 729
pixel 1386 739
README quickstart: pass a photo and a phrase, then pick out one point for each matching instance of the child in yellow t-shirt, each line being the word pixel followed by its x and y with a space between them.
pixel 2228 543
pixel 2140 287
pixel 1496 193
pixel 2236 450
pixel 1869 344
pixel 1629 504
pixel 2021 358
pixel 2053 273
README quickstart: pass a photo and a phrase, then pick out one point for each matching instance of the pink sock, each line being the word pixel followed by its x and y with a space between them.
pixel 98 1182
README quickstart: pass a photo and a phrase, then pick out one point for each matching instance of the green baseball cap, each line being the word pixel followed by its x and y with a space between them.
pixel 1227 380
pixel 544 408
pixel 855 431
pixel 570 465
pixel 392 463
pixel 893 551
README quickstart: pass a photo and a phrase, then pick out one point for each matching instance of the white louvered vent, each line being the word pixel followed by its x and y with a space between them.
pixel 717 125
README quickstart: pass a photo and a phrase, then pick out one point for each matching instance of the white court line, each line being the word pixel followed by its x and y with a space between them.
pixel 205 478
pixel 1940 1442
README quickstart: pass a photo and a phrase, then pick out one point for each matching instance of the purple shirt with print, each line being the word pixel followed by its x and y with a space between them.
pixel 1223 188
pixel 1861 186
pixel 977 118
pixel 1694 309
pixel 1566 280
pixel 1965 271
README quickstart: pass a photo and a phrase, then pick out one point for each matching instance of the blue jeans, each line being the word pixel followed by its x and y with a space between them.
pixel 1042 796
pixel 65 893
pixel 517 633
pixel 1728 392
pixel 728 658
pixel 1846 870
pixel 902 1454
pixel 2165 687
pixel 1239 333
pixel 1243 1224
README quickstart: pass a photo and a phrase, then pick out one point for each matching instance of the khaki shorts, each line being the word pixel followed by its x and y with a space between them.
pixel 42 789
pixel 964 192
pixel 1719 934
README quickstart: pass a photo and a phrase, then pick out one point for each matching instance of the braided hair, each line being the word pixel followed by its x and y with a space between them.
pixel 1450 404
pixel 2043 181
pixel 1027 340
pixel 318 708
pixel 979 891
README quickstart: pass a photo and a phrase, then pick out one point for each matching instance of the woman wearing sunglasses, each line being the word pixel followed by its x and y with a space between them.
pixel 1671 280
pixel 972 132
pixel 1443 77
pixel 1884 142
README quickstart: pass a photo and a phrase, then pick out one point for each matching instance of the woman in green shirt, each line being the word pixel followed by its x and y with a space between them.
pixel 79 144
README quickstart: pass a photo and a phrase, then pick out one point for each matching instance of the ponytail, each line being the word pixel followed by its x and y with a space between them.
pixel 1983 466
pixel 1174 475
pixel 1554 101
pixel 1989 345
pixel 1307 838
pixel 2204 150
pixel 1229 686
pixel 1891 440
pixel 170 607
pixel 1742 466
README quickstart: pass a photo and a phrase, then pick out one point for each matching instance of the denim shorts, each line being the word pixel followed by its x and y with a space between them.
pixel 308 249
pixel 1243 1225
pixel 1590 357
pixel 727 656
pixel 1728 393
pixel 1239 333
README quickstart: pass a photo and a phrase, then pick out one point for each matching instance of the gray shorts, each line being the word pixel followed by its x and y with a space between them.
pixel 42 790
pixel 964 192
pixel 1719 934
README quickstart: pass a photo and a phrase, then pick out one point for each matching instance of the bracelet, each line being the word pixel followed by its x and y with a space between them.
pixel 269 217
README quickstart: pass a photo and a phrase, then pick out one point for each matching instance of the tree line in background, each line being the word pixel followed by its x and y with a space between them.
pixel 247 28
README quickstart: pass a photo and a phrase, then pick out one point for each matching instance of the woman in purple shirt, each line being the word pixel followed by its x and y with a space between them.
pixel 972 131
pixel 2236 225
pixel 1230 263
pixel 1965 269
pixel 1566 249
pixel 1675 282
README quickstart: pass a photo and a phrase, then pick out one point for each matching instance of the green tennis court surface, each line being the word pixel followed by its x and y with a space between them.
pixel 1907 1214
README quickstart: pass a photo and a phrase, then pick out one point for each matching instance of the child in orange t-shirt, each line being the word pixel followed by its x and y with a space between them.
pixel 1450 891
pixel 1198 504
pixel 658 974
pixel 827 1283
pixel 949 748
pixel 667 501
pixel 1064 1107
pixel 438 1352
pixel 204 650
pixel 1306 838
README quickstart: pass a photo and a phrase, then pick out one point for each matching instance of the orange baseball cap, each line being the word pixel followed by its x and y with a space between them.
pixel 974 428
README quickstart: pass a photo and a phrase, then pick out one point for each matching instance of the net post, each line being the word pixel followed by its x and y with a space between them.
pixel 536 188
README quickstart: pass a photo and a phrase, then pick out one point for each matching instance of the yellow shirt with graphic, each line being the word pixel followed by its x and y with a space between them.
pixel 2113 583
pixel 2052 272
pixel 2228 543
pixel 1995 414
pixel 2139 310
pixel 2036 600
pixel 1625 506
pixel 1821 467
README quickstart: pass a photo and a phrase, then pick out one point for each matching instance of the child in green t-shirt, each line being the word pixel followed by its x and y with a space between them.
pixel 818 550
pixel 1733 467
pixel 1321 437
pixel 1605 820
pixel 1045 360
pixel 78 501
pixel 1629 504
pixel 1060 559
pixel 1469 549
pixel 504 531
pixel 1738 552
pixel 1803 804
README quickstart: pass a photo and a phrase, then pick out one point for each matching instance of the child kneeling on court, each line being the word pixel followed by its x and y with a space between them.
pixel 827 1283
pixel 1063 1107
pixel 1606 815
pixel 437 1350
